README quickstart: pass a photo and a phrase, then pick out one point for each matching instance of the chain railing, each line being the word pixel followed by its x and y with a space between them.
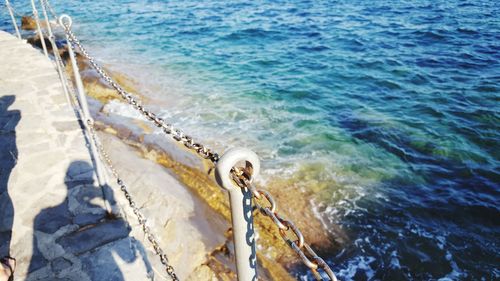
pixel 303 250
pixel 77 101
pixel 239 176
pixel 93 138
pixel 142 220
pixel 11 13
pixel 169 129
pixel 57 57
pixel 287 229
pixel 47 5
pixel 137 212
pixel 39 28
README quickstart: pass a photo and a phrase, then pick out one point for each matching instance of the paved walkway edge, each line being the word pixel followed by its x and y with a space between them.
pixel 53 217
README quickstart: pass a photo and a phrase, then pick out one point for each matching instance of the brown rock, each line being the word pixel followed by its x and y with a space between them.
pixel 36 42
pixel 28 23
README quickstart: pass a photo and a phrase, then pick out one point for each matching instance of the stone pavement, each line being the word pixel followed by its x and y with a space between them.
pixel 53 215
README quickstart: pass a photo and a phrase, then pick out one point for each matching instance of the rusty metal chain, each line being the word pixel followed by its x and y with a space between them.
pixel 285 227
pixel 137 212
pixel 167 128
pixel 51 10
pixel 103 155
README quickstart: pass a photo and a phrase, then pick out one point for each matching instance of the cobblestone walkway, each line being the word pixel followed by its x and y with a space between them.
pixel 53 217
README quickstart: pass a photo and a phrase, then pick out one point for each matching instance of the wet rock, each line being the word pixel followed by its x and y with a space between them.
pixel 202 273
pixel 35 41
pixel 28 23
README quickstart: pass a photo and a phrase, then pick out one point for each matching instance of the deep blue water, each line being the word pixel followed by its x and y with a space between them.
pixel 388 110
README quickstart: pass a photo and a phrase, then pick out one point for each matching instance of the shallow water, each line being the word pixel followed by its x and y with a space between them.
pixel 389 111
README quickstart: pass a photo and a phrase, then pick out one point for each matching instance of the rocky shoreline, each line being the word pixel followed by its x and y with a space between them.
pixel 275 259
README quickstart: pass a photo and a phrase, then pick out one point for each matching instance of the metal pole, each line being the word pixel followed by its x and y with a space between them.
pixel 55 51
pixel 14 22
pixel 100 173
pixel 37 20
pixel 241 209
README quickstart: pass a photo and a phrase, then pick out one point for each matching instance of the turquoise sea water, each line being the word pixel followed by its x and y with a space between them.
pixel 388 110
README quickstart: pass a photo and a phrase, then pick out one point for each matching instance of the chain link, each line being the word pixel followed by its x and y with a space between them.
pixel 103 155
pixel 51 10
pixel 167 128
pixel 287 229
pixel 137 212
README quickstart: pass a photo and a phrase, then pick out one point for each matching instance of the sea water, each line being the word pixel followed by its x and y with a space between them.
pixel 387 110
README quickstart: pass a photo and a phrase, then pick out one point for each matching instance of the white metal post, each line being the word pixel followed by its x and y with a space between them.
pixel 55 51
pixel 241 210
pixel 40 34
pixel 14 22
pixel 100 172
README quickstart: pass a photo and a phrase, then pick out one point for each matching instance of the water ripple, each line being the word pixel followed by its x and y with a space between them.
pixel 392 105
